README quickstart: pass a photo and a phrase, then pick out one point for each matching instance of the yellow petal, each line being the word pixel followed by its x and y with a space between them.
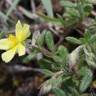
pixel 13 40
pixel 22 32
pixel 8 55
pixel 21 49
pixel 25 30
pixel 5 44
pixel 18 30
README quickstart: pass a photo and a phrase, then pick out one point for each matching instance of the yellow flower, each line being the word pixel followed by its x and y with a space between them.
pixel 15 44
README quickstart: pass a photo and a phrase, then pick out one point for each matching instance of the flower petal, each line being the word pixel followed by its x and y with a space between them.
pixel 12 40
pixel 18 30
pixel 8 55
pixel 21 49
pixel 5 44
pixel 22 32
pixel 25 30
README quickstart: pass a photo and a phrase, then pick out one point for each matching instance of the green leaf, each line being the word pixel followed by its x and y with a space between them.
pixel 40 40
pixel 87 36
pixel 67 3
pixel 88 8
pixel 62 52
pixel 92 39
pixel 52 20
pixel 85 94
pixel 73 40
pixel 74 91
pixel 30 57
pixel 49 40
pixel 47 72
pixel 87 78
pixel 57 81
pixel 58 92
pixel 90 57
pixel 81 10
pixel 83 40
pixel 48 6
pixel 57 59
pixel 45 64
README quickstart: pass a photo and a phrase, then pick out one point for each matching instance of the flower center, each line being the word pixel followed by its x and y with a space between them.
pixel 12 40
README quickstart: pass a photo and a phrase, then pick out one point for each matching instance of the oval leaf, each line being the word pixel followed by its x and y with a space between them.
pixel 49 40
pixel 73 40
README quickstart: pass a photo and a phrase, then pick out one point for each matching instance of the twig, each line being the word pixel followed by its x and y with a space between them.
pixel 33 6
pixel 27 13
